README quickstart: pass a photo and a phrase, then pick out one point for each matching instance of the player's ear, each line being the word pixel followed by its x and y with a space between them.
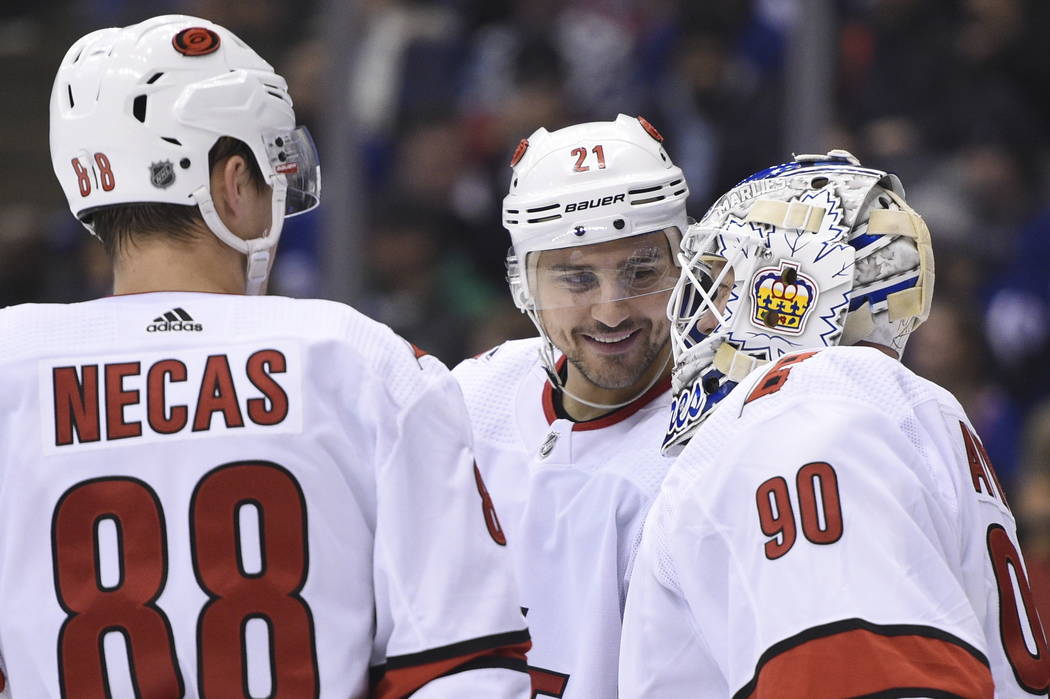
pixel 235 193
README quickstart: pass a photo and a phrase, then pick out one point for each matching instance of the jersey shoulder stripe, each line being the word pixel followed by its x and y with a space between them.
pixel 403 674
pixel 854 657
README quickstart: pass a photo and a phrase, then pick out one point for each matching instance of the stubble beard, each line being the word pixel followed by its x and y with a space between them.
pixel 618 372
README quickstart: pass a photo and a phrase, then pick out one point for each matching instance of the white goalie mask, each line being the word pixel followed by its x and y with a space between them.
pixel 583 186
pixel 135 111
pixel 812 253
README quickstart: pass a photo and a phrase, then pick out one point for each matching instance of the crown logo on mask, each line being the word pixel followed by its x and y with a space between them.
pixel 781 298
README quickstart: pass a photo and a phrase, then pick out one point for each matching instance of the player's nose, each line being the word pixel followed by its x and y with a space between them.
pixel 611 313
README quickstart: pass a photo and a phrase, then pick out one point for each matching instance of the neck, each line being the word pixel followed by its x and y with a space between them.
pixel 576 384
pixel 882 348
pixel 156 263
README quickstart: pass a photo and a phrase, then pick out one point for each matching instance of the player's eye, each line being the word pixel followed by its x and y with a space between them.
pixel 641 277
pixel 577 281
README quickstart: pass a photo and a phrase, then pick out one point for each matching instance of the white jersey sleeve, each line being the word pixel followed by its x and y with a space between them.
pixel 830 542
pixel 440 559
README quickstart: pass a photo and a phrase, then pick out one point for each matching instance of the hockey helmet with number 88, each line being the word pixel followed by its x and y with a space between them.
pixel 135 111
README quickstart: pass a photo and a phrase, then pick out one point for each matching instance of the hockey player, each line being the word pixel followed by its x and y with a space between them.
pixel 834 527
pixel 567 425
pixel 206 493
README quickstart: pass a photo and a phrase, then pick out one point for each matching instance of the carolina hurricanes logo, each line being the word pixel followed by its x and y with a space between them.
pixel 519 152
pixel 650 129
pixel 196 41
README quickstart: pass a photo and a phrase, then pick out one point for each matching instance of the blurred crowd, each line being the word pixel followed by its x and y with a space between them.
pixel 946 93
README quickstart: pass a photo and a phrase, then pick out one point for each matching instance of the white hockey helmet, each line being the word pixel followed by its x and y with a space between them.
pixel 812 253
pixel 135 110
pixel 583 185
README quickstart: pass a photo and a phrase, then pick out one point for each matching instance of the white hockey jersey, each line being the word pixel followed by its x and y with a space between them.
pixel 835 529
pixel 572 498
pixel 225 496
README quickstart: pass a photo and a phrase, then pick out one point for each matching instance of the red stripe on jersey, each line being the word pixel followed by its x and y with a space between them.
pixel 401 679
pixel 863 661
pixel 618 415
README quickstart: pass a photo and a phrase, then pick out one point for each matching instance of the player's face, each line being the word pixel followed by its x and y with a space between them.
pixel 709 321
pixel 604 306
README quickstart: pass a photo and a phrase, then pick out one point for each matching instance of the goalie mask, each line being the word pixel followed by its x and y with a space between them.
pixel 135 110
pixel 816 252
pixel 573 192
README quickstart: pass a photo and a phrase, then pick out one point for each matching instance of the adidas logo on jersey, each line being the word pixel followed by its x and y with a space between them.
pixel 174 320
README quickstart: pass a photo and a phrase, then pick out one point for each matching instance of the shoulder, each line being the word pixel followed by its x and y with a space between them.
pixel 862 376
pixel 847 405
pixel 401 367
pixel 499 368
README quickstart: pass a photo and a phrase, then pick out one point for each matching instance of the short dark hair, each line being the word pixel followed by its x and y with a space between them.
pixel 120 225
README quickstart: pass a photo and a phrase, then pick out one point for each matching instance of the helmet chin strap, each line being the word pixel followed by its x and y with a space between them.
pixel 257 251
pixel 550 367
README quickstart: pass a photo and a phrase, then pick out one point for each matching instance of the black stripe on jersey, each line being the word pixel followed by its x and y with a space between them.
pixel 490 661
pixel 837 627
pixel 912 692
pixel 182 314
pixel 474 645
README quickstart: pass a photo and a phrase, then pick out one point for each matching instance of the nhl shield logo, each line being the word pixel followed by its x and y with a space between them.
pixel 162 174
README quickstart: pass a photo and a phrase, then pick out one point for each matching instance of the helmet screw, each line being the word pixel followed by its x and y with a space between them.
pixel 279 142
pixel 619 223
pixel 184 163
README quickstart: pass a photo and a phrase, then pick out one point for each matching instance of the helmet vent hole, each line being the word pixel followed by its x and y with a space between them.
pixel 169 139
pixel 818 182
pixel 710 384
pixel 884 202
pixel 657 188
pixel 540 209
pixel 154 78
pixel 663 156
pixel 138 108
pixel 69 90
pixel 648 200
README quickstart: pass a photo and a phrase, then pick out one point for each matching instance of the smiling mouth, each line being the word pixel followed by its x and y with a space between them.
pixel 613 340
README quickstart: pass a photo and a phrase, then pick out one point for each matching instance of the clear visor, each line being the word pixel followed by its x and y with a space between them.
pixel 292 153
pixel 610 272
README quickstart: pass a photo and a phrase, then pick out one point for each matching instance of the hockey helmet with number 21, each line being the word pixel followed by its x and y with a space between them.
pixel 135 110
pixel 584 185
pixel 812 253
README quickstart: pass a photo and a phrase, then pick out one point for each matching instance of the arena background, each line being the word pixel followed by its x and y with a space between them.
pixel 416 107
